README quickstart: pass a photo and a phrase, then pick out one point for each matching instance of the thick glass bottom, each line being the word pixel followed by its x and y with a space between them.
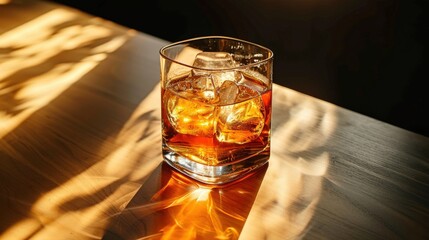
pixel 219 174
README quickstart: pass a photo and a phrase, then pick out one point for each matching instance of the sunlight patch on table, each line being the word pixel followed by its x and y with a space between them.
pixel 83 205
pixel 292 185
pixel 43 43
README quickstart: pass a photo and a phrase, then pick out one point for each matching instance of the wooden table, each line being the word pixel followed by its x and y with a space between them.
pixel 80 150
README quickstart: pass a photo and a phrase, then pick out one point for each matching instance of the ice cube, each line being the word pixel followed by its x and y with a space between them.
pixel 214 60
pixel 204 88
pixel 218 65
pixel 199 88
pixel 227 92
pixel 254 82
pixel 242 122
pixel 220 77
pixel 188 114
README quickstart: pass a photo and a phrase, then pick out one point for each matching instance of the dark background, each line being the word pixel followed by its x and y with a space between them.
pixel 369 56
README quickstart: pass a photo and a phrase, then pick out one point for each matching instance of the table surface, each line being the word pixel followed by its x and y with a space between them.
pixel 80 150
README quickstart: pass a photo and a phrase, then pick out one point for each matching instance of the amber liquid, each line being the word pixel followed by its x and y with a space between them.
pixel 215 134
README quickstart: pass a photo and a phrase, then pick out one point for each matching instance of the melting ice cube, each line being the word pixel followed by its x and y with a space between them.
pixel 243 121
pixel 188 110
pixel 217 65
pixel 214 60
pixel 227 92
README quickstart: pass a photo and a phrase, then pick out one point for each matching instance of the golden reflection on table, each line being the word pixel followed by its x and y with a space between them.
pixel 172 206
pixel 80 150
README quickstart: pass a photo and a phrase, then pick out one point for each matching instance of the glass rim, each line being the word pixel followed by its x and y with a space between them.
pixel 162 49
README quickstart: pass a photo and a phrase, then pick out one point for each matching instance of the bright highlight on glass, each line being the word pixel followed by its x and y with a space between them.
pixel 216 107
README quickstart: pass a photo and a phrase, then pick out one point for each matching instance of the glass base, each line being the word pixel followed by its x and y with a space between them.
pixel 220 174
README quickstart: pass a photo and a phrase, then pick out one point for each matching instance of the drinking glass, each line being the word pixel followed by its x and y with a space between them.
pixel 216 107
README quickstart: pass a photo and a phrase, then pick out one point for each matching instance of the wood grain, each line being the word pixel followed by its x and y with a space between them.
pixel 80 150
